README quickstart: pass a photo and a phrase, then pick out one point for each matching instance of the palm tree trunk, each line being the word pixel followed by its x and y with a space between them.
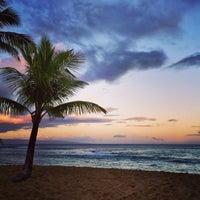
pixel 27 168
pixel 31 149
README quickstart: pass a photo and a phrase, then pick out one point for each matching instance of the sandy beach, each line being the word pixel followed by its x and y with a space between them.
pixel 61 183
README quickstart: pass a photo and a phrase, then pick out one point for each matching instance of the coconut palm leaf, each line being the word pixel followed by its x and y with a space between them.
pixel 16 39
pixel 75 107
pixel 68 60
pixel 8 48
pixel 10 107
pixel 11 41
pixel 2 4
pixel 9 17
pixel 12 77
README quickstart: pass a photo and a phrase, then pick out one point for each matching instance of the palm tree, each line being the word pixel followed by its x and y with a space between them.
pixel 44 89
pixel 10 41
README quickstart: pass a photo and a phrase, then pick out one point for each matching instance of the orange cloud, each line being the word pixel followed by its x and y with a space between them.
pixel 172 120
pixel 14 120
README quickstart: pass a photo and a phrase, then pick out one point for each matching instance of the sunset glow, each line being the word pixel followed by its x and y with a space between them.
pixel 14 120
pixel 142 63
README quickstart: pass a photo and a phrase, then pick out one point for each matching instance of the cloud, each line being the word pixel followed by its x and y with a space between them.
pixel 140 119
pixel 13 62
pixel 74 120
pixel 120 122
pixel 84 139
pixel 108 39
pixel 195 135
pixel 196 126
pixel 132 19
pixel 190 61
pixel 11 123
pixel 122 62
pixel 146 125
pixel 15 119
pixel 141 126
pixel 157 139
pixel 5 127
pixel 119 136
pixel 46 123
pixel 172 120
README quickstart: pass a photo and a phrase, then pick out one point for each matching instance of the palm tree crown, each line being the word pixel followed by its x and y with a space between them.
pixel 46 84
pixel 10 41
pixel 44 88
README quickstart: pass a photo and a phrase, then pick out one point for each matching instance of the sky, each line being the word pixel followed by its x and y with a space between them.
pixel 142 63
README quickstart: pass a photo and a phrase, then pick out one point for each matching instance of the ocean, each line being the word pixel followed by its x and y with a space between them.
pixel 169 158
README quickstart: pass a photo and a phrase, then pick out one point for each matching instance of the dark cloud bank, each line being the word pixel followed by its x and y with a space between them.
pixel 190 61
pixel 122 23
pixel 122 62
pixel 5 127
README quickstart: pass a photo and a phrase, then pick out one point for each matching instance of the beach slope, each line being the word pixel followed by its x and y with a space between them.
pixel 76 183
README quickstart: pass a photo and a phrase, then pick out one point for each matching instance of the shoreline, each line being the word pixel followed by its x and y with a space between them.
pixel 93 167
pixel 60 182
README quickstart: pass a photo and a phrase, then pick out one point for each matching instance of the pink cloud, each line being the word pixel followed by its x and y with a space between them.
pixel 59 46
pixel 13 62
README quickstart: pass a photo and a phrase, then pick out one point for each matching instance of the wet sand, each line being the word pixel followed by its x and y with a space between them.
pixel 70 183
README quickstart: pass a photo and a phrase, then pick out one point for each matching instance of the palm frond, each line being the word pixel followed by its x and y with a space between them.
pixel 10 107
pixel 12 77
pixel 8 48
pixel 16 39
pixel 62 88
pixel 2 4
pixel 46 83
pixel 68 60
pixel 75 107
pixel 9 17
pixel 19 84
pixel 27 52
pixel 11 41
pixel 45 53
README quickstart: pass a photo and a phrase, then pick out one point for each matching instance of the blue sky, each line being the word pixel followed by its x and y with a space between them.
pixel 142 63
